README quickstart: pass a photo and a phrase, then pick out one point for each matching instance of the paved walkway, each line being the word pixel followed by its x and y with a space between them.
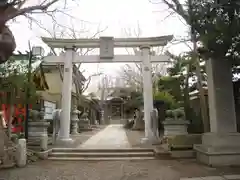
pixel 112 137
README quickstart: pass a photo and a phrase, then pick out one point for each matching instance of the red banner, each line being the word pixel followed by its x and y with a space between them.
pixel 19 115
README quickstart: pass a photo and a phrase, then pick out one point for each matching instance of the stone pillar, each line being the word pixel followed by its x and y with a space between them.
pixel 65 121
pixel 147 91
pixel 154 125
pixel 122 112
pixel 21 153
pixel 222 145
pixel 44 136
pixel 220 95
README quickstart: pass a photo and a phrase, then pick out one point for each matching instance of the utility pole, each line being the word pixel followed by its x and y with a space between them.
pixel 28 93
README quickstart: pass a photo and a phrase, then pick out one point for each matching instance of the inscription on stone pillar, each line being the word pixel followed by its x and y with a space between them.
pixel 66 69
pixel 146 68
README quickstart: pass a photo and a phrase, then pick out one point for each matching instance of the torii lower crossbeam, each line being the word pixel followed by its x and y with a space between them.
pixel 96 59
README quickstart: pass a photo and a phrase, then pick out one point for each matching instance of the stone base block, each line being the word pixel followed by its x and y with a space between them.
pixel 150 141
pixel 64 142
pixel 217 157
pixel 219 149
pixel 183 154
pixel 44 154
pixel 221 139
pixel 173 127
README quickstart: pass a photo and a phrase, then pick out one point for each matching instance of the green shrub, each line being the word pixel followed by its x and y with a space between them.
pixel 166 98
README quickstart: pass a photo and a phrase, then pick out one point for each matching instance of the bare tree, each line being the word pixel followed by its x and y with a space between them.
pixel 105 86
pixel 132 74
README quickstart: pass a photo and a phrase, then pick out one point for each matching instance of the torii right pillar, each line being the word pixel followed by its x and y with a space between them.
pixel 221 146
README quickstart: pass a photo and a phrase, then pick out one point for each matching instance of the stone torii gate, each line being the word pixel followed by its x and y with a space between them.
pixel 106 45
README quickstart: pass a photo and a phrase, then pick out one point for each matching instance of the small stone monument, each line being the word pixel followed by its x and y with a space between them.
pixel 175 123
pixel 139 122
pixel 74 121
pixel 84 123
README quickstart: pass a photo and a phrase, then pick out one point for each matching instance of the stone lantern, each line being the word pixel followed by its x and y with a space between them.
pixel 74 121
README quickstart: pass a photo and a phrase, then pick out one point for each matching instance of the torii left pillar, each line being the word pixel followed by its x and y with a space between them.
pixel 147 94
pixel 65 119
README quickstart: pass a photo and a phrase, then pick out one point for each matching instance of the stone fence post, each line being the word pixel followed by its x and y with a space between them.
pixel 21 154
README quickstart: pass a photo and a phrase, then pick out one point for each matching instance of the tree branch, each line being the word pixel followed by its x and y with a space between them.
pixel 23 11
pixel 89 80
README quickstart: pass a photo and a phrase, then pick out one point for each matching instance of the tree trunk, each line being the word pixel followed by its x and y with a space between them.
pixel 202 99
pixel 186 94
pixel 7 44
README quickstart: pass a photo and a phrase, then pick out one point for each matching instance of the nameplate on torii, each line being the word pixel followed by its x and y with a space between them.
pixel 106 48
pixel 97 59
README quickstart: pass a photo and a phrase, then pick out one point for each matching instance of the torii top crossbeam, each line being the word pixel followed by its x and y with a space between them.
pixel 118 42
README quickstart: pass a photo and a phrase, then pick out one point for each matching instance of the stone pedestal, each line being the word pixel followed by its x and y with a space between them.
pixel 84 122
pixel 38 129
pixel 38 134
pixel 175 127
pixel 221 147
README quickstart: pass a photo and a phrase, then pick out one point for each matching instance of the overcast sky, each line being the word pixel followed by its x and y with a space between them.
pixel 114 16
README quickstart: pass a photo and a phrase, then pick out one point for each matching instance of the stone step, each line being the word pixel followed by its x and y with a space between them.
pixel 102 154
pixel 183 154
pixel 6 166
pixel 102 150
pixel 161 153
pixel 100 158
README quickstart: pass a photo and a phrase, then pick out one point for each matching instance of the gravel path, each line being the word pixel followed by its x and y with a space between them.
pixel 113 170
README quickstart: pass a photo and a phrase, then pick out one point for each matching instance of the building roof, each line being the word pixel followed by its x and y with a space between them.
pixel 40 68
